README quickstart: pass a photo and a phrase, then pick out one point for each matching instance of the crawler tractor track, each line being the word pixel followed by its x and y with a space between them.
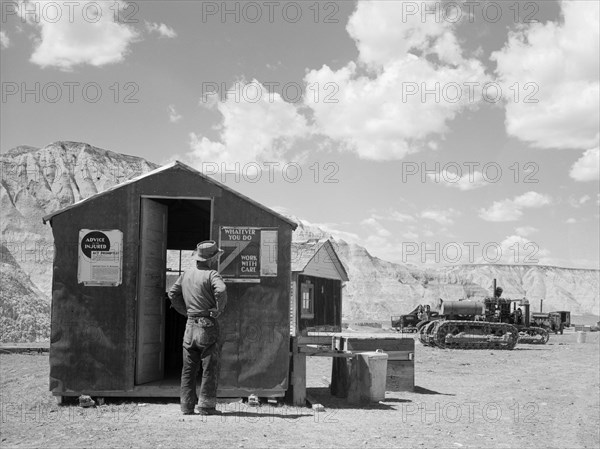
pixel 533 336
pixel 454 334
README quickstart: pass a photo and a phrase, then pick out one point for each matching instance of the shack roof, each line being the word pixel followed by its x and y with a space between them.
pixel 172 166
pixel 305 252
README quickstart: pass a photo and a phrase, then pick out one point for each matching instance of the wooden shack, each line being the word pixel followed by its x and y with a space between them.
pixel 317 281
pixel 113 332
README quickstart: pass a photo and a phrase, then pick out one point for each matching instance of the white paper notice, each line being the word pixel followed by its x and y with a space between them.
pixel 268 253
pixel 100 257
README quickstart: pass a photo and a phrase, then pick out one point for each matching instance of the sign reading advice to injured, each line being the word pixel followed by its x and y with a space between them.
pixel 249 252
pixel 100 257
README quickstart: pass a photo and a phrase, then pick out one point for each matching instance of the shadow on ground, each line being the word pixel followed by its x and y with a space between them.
pixel 421 390
pixel 323 396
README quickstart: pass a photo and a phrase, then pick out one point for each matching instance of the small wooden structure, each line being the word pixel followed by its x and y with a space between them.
pixel 343 347
pixel 113 332
pixel 317 280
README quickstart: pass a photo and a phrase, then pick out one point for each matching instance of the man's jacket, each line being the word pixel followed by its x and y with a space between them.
pixel 197 291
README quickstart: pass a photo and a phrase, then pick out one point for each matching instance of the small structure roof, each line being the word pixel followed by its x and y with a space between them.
pixel 173 165
pixel 303 253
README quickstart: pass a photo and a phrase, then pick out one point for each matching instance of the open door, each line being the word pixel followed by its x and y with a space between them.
pixel 151 290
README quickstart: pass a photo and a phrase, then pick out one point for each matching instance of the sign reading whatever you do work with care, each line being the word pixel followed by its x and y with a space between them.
pixel 249 253
pixel 100 257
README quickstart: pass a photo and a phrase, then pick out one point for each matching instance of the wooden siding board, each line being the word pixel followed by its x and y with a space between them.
pixel 322 265
pixel 294 310
pixel 93 328
pixel 333 257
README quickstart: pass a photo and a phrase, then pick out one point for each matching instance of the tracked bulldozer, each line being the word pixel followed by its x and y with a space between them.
pixel 494 323
pixel 408 323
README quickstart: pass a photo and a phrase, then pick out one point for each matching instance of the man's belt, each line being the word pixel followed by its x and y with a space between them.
pixel 203 314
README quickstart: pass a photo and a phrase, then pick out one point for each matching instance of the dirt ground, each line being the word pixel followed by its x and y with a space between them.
pixel 534 396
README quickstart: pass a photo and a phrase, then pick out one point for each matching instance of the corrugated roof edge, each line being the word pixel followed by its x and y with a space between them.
pixel 176 164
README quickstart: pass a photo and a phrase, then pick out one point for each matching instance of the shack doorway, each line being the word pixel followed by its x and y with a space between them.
pixel 170 228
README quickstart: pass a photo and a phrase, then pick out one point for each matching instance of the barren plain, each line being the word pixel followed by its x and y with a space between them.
pixel 534 396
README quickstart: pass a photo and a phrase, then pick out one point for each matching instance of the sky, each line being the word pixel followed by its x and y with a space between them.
pixel 429 132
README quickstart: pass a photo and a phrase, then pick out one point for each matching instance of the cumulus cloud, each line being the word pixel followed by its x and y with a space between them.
pixel 376 106
pixel 254 128
pixel 443 217
pixel 93 37
pixel 586 168
pixel 525 231
pixel 514 249
pixel 399 216
pixel 511 210
pixel 174 117
pixel 4 40
pixel 394 215
pixel 578 202
pixel 561 60
pixel 468 181
pixel 161 29
pixel 377 227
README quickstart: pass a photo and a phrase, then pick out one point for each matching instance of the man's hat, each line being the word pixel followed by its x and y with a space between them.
pixel 207 250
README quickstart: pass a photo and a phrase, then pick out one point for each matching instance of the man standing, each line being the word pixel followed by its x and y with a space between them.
pixel 200 294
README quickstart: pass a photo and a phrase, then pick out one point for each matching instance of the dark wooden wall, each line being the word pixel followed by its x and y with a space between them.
pixel 327 302
pixel 93 334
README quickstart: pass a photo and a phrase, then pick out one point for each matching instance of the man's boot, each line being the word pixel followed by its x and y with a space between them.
pixel 207 411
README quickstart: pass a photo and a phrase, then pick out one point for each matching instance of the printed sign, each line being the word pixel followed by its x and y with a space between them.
pixel 249 252
pixel 100 257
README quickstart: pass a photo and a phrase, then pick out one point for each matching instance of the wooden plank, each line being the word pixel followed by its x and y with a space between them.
pixel 24 347
pixel 314 340
pixel 151 310
pixel 156 391
pixel 400 376
pixel 392 355
pixel 298 375
pixel 400 355
pixel 322 352
pixel 325 328
pixel 372 344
